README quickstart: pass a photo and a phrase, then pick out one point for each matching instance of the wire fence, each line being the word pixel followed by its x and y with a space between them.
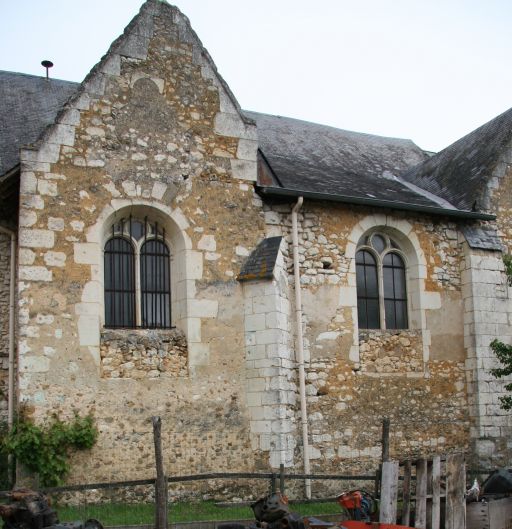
pixel 204 499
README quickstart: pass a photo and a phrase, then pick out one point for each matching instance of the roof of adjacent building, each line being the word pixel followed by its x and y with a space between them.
pixel 28 104
pixel 260 264
pixel 460 173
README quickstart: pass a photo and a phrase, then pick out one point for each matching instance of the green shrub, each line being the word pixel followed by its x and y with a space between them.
pixel 45 449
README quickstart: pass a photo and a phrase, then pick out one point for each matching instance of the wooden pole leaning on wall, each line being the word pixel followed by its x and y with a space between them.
pixel 161 478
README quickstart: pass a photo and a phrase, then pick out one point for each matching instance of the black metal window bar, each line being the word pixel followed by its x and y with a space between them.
pixel 137 246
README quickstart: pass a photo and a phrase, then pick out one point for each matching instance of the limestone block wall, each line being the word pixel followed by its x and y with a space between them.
pixel 487 310
pixel 5 275
pixel 270 367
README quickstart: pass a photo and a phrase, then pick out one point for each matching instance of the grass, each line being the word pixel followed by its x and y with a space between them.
pixel 138 514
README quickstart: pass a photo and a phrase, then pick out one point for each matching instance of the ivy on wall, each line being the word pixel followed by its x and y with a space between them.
pixel 45 449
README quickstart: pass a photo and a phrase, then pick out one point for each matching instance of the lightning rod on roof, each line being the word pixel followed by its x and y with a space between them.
pixel 47 64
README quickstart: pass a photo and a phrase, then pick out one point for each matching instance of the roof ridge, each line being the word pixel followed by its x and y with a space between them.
pixel 53 79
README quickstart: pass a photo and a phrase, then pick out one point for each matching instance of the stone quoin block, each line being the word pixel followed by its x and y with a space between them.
pixel 35 238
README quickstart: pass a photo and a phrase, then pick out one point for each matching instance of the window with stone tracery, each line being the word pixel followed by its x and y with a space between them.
pixel 381 283
pixel 137 275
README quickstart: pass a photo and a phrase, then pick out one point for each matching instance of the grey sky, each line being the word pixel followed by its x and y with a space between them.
pixel 429 70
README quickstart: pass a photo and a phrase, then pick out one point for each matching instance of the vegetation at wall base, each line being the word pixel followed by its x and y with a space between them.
pixel 507 261
pixel 503 353
pixel 45 449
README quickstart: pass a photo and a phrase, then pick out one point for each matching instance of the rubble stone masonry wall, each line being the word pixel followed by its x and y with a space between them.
pixel 5 271
pixel 355 378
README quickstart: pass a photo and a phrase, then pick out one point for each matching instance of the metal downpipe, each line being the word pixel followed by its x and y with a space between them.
pixel 300 345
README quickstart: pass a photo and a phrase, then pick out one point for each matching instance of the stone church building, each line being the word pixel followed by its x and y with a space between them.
pixel 263 284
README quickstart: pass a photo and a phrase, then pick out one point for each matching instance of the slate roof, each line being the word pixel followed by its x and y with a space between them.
pixel 461 172
pixel 28 104
pixel 304 157
pixel 316 158
pixel 260 264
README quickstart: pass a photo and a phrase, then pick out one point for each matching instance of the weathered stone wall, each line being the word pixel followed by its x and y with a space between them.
pixel 153 131
pixel 5 275
pixel 391 351
pixel 416 377
pixel 346 406
pixel 141 354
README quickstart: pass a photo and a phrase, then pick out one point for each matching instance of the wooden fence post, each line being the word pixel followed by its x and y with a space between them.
pixel 421 494
pixel 281 478
pixel 161 479
pixel 389 492
pixel 436 492
pixel 273 482
pixel 406 503
pixel 455 490
pixel 385 439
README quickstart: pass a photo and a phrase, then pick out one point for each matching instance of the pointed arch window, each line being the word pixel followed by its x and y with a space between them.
pixel 137 276
pixel 381 283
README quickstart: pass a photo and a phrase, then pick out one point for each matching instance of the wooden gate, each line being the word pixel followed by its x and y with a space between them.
pixel 438 485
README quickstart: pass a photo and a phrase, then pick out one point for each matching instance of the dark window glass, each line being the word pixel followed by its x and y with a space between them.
pixel 155 285
pixel 367 291
pixel 137 229
pixel 119 283
pixel 379 243
pixel 395 297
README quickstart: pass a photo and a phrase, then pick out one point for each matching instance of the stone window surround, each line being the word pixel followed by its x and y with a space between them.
pixel 418 300
pixel 187 267
pixel 379 257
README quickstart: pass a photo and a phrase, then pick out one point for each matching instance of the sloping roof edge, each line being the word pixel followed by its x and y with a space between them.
pixel 438 211
pixel 261 262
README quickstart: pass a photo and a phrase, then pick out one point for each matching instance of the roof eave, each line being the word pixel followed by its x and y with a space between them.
pixel 375 202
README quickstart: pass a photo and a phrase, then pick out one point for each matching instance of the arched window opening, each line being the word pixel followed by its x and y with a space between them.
pixel 381 283
pixel 137 276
